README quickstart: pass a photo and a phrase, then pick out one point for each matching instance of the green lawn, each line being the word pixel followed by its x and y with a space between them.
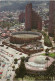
pixel 26 78
pixel 51 55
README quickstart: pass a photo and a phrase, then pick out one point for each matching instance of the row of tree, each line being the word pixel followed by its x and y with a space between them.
pixel 47 40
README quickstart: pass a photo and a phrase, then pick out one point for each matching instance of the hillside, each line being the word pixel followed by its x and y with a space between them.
pixel 18 5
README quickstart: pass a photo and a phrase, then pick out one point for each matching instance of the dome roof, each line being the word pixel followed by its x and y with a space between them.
pixel 40 59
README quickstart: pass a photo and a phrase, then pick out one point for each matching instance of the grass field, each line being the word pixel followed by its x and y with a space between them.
pixel 51 55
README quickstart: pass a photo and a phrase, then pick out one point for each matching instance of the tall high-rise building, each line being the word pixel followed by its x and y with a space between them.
pixel 32 19
pixel 51 18
pixel 28 16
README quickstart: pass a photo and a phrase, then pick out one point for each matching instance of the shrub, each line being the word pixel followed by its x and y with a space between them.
pixel 47 41
pixel 15 61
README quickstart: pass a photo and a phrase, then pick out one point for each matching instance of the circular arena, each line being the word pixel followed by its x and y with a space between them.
pixel 24 37
pixel 38 63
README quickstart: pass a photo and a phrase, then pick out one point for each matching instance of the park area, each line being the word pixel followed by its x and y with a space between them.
pixel 51 55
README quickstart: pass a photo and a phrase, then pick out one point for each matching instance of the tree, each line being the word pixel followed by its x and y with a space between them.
pixel 27 58
pixel 51 70
pixel 13 67
pixel 22 59
pixel 47 40
pixel 47 60
pixel 47 52
pixel 21 71
pixel 15 61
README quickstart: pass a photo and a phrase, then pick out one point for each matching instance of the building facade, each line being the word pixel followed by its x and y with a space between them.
pixel 51 18
pixel 28 16
pixel 32 19
pixel 22 17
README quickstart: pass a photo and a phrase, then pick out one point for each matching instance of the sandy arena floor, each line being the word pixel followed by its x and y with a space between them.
pixel 25 36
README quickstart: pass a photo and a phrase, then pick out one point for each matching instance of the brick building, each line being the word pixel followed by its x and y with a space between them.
pixel 32 19
pixel 51 18
pixel 22 17
pixel 28 17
